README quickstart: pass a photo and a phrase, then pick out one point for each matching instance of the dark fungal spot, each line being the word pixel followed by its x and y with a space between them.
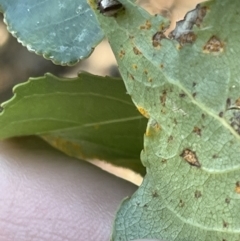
pixel 194 94
pixel 157 37
pixel 163 97
pixel 200 15
pixel 213 45
pixel 183 32
pixel 215 156
pixel 150 79
pixel 197 194
pixel 182 95
pixel 131 76
pixel 227 200
pixel 155 194
pixel 146 26
pixel 235 121
pixel 188 38
pixel 197 130
pixel 121 54
pixel 225 224
pixel 220 114
pixel 136 51
pixel 228 103
pixel 194 84
pixel 164 160
pixel 203 116
pixel 237 102
pixel 170 138
pixel 181 203
pixel 135 66
pixel 190 157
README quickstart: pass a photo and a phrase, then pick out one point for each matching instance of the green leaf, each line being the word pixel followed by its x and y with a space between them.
pixel 190 89
pixel 61 31
pixel 86 117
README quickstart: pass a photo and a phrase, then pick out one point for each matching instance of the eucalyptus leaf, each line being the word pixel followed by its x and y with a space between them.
pixel 86 117
pixel 64 32
pixel 189 87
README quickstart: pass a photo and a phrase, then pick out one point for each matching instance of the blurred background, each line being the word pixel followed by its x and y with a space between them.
pixel 17 64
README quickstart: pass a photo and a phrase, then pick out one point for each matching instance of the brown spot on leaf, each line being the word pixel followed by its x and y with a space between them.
pixel 190 157
pixel 170 138
pixel 203 116
pixel 182 95
pixel 200 15
pixel 150 79
pixel 135 66
pixel 136 51
pixel 163 97
pixel 237 187
pixel 213 45
pixel 235 121
pixel 197 130
pixel 220 114
pixel 146 26
pixel 156 39
pixel 121 54
pixel 155 194
pixel 188 38
pixel 194 94
pixel 225 224
pixel 183 31
pixel 228 103
pixel 145 72
pixel 227 200
pixel 194 84
pixel 215 156
pixel 237 102
pixel 156 126
pixel 181 203
pixel 164 160
pixel 197 194
pixel 161 66
pixel 131 76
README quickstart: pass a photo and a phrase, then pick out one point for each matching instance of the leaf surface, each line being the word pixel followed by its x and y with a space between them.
pixel 61 31
pixel 189 87
pixel 86 117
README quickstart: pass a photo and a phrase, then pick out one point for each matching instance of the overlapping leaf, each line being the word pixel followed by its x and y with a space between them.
pixel 86 117
pixel 189 88
pixel 61 31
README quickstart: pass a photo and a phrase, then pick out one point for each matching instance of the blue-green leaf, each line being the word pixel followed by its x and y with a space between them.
pixel 62 31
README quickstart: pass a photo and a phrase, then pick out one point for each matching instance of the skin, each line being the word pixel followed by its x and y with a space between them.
pixel 48 196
